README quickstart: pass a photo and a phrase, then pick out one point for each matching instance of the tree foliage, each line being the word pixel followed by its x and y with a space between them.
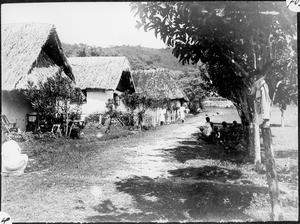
pixel 195 88
pixel 138 57
pixel 235 41
pixel 45 96
pixel 139 103
pixel 136 100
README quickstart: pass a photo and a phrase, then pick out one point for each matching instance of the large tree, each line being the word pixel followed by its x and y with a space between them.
pixel 237 42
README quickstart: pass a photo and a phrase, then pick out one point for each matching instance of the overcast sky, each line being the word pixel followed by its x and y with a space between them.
pixel 96 23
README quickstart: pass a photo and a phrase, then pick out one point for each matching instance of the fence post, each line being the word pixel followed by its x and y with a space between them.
pixel 257 156
pixel 271 175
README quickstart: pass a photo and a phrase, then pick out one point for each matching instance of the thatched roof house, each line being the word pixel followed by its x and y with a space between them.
pixel 30 52
pixel 99 72
pixel 102 79
pixel 157 84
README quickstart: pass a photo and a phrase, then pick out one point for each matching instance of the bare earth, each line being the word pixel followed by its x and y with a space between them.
pixel 159 175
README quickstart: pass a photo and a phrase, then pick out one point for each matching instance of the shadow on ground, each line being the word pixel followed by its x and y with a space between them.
pixel 208 173
pixel 199 149
pixel 164 199
pixel 207 193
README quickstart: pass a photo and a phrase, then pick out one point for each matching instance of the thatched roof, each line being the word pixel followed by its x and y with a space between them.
pixel 157 84
pixel 98 72
pixel 30 52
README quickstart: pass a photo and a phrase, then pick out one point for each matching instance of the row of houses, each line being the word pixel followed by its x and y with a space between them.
pixel 33 52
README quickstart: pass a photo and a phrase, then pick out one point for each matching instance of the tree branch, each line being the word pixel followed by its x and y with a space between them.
pixel 246 74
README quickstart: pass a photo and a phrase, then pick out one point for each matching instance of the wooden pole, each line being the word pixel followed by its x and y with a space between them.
pixel 257 155
pixel 67 118
pixel 276 214
pixel 282 117
pixel 257 158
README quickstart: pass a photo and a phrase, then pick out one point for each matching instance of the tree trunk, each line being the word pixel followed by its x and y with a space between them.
pixel 282 118
pixel 270 46
pixel 271 175
pixel 244 107
pixel 67 118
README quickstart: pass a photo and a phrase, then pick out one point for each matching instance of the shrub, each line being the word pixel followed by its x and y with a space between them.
pixel 127 119
pixel 94 118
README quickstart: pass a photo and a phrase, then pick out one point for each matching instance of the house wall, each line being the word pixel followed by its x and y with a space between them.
pixel 16 111
pixel 217 102
pixel 96 102
pixel 154 117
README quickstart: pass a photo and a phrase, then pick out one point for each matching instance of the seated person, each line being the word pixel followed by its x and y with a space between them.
pixel 224 131
pixel 207 127
pixel 206 130
pixel 215 133
pixel 235 132
pixel 13 162
pixel 75 129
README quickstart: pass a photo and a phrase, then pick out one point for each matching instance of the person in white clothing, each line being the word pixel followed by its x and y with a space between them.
pixel 260 90
pixel 206 130
pixel 13 162
pixel 162 116
pixel 207 127
pixel 182 111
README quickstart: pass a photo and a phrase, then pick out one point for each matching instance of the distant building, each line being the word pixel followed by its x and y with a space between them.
pixel 217 102
pixel 159 84
pixel 30 52
pixel 101 79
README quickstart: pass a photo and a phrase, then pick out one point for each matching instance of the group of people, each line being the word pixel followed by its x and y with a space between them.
pixel 183 110
pixel 211 133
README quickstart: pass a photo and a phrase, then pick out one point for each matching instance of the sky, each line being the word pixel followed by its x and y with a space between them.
pixel 100 24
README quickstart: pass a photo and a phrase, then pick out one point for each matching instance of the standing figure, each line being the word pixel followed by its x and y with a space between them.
pixel 262 100
pixel 263 106
pixel 280 96
pixel 162 116
pixel 182 113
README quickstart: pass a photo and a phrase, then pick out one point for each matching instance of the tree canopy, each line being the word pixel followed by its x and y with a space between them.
pixel 235 41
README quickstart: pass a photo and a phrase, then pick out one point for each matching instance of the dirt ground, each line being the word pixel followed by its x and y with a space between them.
pixel 160 175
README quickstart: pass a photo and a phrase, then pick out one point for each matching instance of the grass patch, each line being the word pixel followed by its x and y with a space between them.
pixel 62 153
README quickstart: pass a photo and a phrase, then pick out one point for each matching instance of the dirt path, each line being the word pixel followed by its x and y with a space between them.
pixel 158 175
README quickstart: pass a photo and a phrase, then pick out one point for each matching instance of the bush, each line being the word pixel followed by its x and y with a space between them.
pixel 94 118
pixel 127 119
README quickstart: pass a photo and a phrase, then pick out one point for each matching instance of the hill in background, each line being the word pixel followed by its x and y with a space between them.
pixel 139 57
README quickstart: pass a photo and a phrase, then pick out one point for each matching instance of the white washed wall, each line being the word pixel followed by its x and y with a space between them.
pixel 16 112
pixel 217 102
pixel 96 102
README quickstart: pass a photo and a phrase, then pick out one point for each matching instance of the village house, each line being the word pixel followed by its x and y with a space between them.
pixel 217 102
pixel 30 52
pixel 102 79
pixel 158 84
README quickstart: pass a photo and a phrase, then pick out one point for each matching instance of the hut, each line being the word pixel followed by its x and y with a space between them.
pixel 158 84
pixel 30 52
pixel 101 79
